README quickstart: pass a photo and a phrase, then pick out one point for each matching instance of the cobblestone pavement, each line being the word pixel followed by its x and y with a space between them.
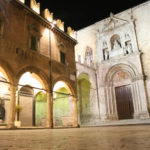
pixel 94 138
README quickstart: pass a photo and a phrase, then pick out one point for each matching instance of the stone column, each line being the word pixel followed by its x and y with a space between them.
pixel 141 101
pixel 75 124
pixel 49 121
pixel 11 120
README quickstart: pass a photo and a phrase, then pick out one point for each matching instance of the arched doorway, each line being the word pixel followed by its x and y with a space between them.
pixel 124 102
pixel 63 105
pixel 83 93
pixel 123 93
pixel 125 96
pixel 30 100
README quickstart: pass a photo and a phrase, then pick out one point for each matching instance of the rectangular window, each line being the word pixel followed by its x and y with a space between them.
pixel 62 57
pixel 34 43
pixel 1 27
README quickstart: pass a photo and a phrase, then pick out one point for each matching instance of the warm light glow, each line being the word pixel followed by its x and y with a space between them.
pixel 3 86
pixel 35 6
pixel 48 15
pixel 54 22
pixel 71 32
pixel 1 75
pixel 28 79
pixel 3 89
pixel 60 24
pixel 23 1
pixel 46 32
pixel 59 85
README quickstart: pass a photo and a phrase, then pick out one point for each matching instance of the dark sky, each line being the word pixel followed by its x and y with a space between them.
pixel 79 13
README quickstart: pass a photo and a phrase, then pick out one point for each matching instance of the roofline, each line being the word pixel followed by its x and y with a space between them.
pixel 46 21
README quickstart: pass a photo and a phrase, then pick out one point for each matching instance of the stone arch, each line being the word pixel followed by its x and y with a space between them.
pixel 7 71
pixel 136 86
pixel 84 75
pixel 129 69
pixel 67 82
pixel 42 76
pixel 64 103
pixel 85 95
pixel 115 42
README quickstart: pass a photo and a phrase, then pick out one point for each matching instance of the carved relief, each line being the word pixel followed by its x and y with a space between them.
pixel 120 76
pixel 113 22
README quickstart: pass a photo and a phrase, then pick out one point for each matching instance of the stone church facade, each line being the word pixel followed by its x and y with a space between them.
pixel 113 56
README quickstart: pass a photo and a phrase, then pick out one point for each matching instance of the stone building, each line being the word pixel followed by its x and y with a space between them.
pixel 112 58
pixel 37 68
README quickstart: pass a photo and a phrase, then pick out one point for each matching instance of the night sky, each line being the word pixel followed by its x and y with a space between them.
pixel 79 14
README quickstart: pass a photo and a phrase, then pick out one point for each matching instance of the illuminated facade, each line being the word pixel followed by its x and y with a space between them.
pixel 37 68
pixel 113 64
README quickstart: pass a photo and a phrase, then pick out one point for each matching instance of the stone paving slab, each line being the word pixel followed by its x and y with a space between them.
pixel 95 138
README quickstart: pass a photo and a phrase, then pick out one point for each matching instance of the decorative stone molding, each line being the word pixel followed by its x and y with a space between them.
pixel 60 24
pixel 139 77
pixel 48 16
pixel 71 32
pixel 35 6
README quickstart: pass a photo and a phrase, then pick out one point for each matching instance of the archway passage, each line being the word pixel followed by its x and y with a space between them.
pixel 83 91
pixel 4 97
pixel 124 102
pixel 40 109
pixel 63 105
pixel 32 100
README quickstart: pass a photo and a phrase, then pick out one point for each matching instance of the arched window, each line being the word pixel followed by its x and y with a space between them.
pixel 115 42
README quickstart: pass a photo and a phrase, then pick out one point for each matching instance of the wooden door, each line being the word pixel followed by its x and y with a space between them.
pixel 124 102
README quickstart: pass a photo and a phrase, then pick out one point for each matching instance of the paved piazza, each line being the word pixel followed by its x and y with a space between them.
pixel 94 138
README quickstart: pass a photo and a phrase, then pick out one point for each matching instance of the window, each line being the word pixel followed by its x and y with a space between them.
pixel 0 24
pixel 1 27
pixel 34 43
pixel 62 57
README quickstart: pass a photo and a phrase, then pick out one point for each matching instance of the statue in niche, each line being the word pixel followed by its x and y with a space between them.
pixel 106 54
pixel 116 44
pixel 88 56
pixel 104 44
pixel 128 48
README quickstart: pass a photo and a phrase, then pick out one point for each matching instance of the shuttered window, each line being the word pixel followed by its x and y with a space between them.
pixel 34 43
pixel 62 57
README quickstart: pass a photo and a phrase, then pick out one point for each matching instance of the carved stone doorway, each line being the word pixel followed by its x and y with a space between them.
pixel 124 102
